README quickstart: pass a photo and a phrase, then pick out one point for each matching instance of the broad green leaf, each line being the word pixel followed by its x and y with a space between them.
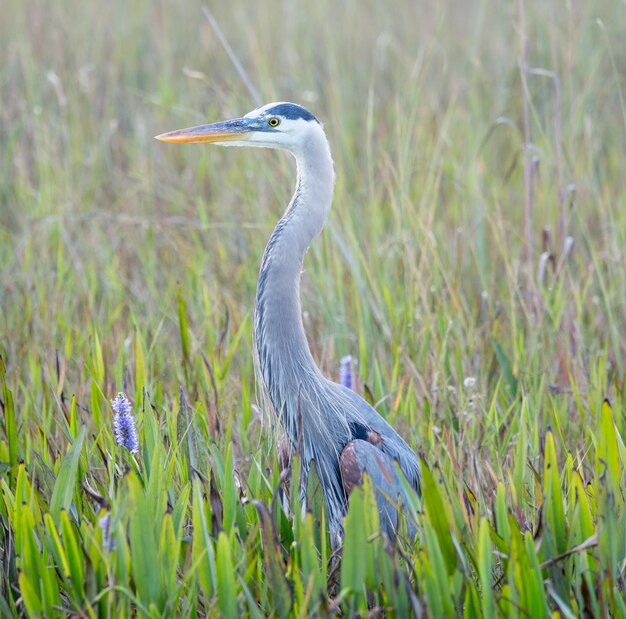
pixel 187 434
pixel 74 554
pixel 536 601
pixel 58 548
pixel 65 483
pixel 354 554
pixel 143 545
pixel 203 553
pixel 521 455
pixel 141 377
pixel 281 594
pixel 309 559
pixel 485 554
pixel 168 557
pixel 437 580
pixel 74 421
pixel 438 515
pixel 471 606
pixel 32 601
pixel 229 492
pixel 373 546
pixel 608 462
pixel 579 510
pixel 39 580
pixel 315 501
pixel 226 579
pixel 502 516
pixel 553 511
pixel 183 327
pixel 10 423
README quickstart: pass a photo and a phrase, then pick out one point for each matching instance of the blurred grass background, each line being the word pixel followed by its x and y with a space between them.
pixel 473 267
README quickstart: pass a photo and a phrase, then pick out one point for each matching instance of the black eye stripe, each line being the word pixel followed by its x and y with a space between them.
pixel 290 111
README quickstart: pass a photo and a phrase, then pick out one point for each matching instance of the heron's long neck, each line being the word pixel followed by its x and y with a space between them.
pixel 282 352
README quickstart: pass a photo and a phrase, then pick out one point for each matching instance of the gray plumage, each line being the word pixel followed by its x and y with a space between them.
pixel 340 431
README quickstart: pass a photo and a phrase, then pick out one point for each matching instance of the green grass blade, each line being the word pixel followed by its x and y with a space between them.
pixel 10 424
pixel 226 582
pixel 279 586
pixel 65 483
pixel 354 555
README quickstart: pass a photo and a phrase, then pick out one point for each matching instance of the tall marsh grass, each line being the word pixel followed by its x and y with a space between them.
pixel 474 267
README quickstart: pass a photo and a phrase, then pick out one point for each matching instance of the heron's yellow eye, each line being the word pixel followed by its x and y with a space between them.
pixel 273 122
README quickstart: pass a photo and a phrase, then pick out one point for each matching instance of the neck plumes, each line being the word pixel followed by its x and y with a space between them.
pixel 282 355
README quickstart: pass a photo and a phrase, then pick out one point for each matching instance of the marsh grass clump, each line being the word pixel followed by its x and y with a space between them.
pixel 473 266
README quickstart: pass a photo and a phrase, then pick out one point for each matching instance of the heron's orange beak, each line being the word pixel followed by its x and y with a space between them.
pixel 237 129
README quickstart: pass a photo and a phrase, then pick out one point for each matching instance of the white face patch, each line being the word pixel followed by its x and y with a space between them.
pixel 288 134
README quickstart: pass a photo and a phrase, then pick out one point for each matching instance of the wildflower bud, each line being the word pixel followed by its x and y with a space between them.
pixel 108 543
pixel 345 371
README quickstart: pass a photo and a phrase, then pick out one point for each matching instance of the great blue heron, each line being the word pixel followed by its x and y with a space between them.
pixel 333 426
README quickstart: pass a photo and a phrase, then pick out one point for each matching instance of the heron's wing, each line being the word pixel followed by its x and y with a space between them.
pixel 360 457
pixel 372 428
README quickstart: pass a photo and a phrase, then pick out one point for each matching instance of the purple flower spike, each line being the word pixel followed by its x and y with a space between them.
pixel 124 424
pixel 121 404
pixel 345 371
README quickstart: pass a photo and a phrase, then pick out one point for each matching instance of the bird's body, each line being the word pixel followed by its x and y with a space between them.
pixel 334 426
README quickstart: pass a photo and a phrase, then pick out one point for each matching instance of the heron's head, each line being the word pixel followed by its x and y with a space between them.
pixel 275 125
